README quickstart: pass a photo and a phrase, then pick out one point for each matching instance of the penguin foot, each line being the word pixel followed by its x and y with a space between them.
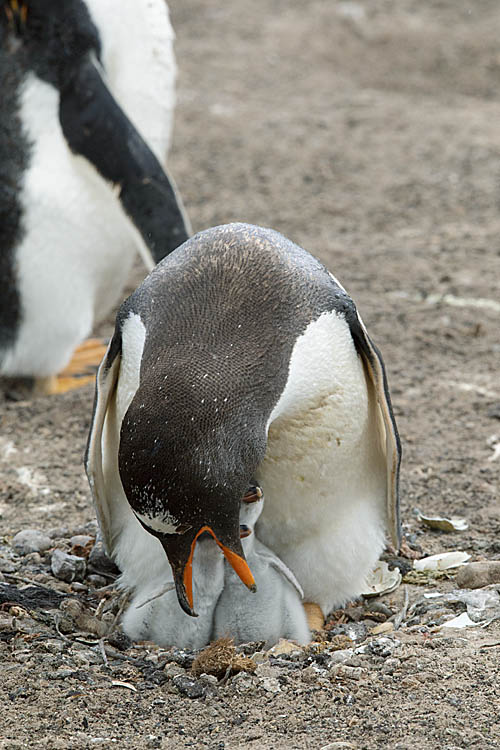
pixel 79 372
pixel 86 358
pixel 315 617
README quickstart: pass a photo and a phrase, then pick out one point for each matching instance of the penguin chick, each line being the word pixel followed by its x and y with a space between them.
pixel 162 620
pixel 275 611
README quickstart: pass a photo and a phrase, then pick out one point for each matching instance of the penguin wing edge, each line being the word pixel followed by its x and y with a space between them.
pixel 269 557
pixel 106 381
pixel 375 370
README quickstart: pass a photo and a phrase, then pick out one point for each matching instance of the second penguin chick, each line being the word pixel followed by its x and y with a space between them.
pixel 275 611
pixel 155 614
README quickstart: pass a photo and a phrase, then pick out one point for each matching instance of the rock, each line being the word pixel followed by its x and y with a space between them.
pixel 182 657
pixel 243 682
pixel 209 679
pixel 188 686
pixel 7 566
pixel 344 672
pixel 60 532
pixel 80 540
pixel 119 640
pixel 100 563
pixel 341 656
pixel 31 540
pixel 383 627
pixel 340 745
pixel 383 647
pixel 475 575
pixel 66 567
pixel 173 670
pixel 310 674
pixel 285 647
pixel 270 684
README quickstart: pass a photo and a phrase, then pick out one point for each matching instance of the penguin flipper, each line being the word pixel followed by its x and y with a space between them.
pixel 106 382
pixel 96 127
pixel 375 370
pixel 275 562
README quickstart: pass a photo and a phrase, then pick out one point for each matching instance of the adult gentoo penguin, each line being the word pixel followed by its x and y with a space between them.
pixel 276 610
pixel 240 358
pixel 85 120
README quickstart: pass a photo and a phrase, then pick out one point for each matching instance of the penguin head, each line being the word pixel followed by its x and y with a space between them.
pixel 177 505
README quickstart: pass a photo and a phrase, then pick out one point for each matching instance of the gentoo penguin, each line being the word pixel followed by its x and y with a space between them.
pixel 276 610
pixel 241 358
pixel 85 119
pixel 160 619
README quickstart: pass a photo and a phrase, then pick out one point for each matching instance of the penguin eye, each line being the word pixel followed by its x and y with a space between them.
pixel 244 530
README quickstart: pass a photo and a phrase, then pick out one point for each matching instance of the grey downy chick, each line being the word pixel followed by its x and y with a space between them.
pixel 275 611
pixel 156 615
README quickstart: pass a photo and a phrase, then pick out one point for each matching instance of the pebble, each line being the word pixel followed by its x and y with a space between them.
pixel 7 566
pixel 243 682
pixel 60 532
pixel 173 670
pixel 383 647
pixel 188 686
pixel 286 647
pixel 31 540
pixel 475 575
pixel 270 684
pixel 66 567
pixel 80 540
pixel 99 562
pixel 341 656
pixel 119 640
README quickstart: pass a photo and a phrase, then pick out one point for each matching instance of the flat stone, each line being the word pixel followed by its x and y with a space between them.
pixel 7 566
pixel 66 567
pixel 31 540
pixel 475 575
pixel 270 684
pixel 189 686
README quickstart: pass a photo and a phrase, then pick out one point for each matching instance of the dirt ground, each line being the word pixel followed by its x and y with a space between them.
pixel 368 133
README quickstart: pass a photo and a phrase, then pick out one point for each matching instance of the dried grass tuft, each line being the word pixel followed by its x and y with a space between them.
pixel 220 658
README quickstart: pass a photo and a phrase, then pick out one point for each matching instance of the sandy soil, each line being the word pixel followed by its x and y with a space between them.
pixel 368 133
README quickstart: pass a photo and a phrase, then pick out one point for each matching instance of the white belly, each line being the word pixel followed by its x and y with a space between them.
pixel 324 474
pixel 78 246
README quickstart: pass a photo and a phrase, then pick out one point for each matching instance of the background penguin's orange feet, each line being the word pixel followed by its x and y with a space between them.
pixel 86 358
pixel 79 372
pixel 315 617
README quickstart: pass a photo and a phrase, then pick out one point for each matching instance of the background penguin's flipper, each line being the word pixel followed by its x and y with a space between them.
pixel 375 369
pixel 96 127
pixel 106 381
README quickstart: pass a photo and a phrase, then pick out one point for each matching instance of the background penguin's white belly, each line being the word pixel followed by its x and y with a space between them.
pixel 78 246
pixel 324 474
pixel 77 249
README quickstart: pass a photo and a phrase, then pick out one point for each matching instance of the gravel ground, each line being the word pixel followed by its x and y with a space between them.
pixel 368 133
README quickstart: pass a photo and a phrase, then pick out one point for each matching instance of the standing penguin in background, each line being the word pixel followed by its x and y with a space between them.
pixel 85 120
pixel 241 358
pixel 276 610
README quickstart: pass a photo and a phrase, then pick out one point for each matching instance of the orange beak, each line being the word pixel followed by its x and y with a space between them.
pixel 238 564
